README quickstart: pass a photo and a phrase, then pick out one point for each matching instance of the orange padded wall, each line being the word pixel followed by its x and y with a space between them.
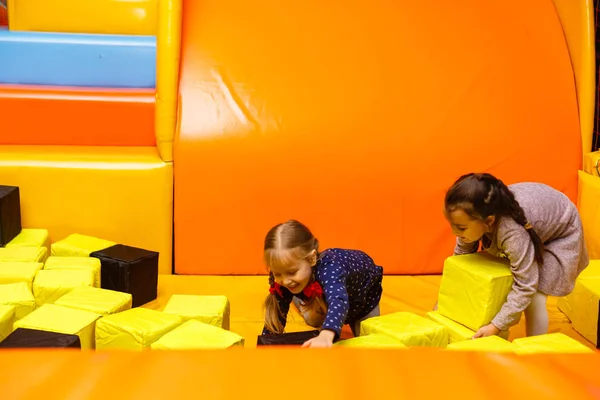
pixel 355 117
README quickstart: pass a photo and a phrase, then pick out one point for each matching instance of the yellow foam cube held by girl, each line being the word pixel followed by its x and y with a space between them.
pixel 534 227
pixel 473 289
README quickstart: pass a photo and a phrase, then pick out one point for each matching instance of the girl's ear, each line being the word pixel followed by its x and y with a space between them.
pixel 490 220
pixel 312 258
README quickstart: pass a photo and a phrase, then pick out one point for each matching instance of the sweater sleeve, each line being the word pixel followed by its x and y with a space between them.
pixel 333 280
pixel 518 247
pixel 284 306
pixel 465 248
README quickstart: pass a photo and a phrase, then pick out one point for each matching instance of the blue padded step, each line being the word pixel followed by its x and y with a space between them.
pixel 57 59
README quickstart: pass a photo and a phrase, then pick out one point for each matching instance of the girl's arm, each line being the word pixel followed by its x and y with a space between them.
pixel 333 280
pixel 465 248
pixel 516 244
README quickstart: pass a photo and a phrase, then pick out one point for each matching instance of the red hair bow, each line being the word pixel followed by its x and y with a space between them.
pixel 276 288
pixel 314 289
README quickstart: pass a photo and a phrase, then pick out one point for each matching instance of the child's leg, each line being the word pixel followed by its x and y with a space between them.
pixel 536 315
pixel 356 327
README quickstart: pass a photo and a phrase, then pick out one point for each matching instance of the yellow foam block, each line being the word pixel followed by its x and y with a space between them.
pixel 14 272
pixel 137 17
pixel 19 296
pixel 99 301
pixel 589 211
pixel 134 329
pixel 122 193
pixel 23 254
pixel 7 319
pixel 591 163
pixel 88 263
pixel 549 343
pixel 473 288
pixel 213 310
pixel 579 295
pixel 77 245
pixel 31 238
pixel 456 331
pixel 493 344
pixel 582 308
pixel 49 285
pixel 53 318
pixel 372 341
pixel 410 329
pixel 194 335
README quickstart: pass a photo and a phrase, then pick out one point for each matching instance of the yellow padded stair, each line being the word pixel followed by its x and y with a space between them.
pixel 122 194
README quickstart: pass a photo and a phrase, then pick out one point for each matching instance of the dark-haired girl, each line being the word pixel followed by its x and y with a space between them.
pixel 537 228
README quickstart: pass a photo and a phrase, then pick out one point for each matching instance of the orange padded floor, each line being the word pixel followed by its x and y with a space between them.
pixel 416 294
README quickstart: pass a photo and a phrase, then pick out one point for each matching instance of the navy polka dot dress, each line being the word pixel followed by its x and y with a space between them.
pixel 351 284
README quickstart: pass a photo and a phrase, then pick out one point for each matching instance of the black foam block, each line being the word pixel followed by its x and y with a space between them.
pixel 10 214
pixel 130 270
pixel 286 339
pixel 30 338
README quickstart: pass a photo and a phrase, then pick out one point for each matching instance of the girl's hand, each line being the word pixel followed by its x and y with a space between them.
pixel 324 340
pixel 488 330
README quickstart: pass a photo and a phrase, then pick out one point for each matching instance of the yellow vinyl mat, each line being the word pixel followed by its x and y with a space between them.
pixel 416 294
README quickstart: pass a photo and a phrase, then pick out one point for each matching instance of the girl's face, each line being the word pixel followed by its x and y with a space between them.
pixel 296 275
pixel 468 229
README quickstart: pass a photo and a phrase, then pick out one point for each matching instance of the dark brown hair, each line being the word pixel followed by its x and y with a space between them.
pixel 286 243
pixel 483 195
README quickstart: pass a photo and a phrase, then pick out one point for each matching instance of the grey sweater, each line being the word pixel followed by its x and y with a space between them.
pixel 556 221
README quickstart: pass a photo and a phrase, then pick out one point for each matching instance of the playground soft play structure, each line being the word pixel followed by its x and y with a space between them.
pixel 147 146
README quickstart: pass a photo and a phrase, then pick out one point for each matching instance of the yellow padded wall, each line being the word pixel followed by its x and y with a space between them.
pixel 122 194
pixel 589 210
pixel 577 19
